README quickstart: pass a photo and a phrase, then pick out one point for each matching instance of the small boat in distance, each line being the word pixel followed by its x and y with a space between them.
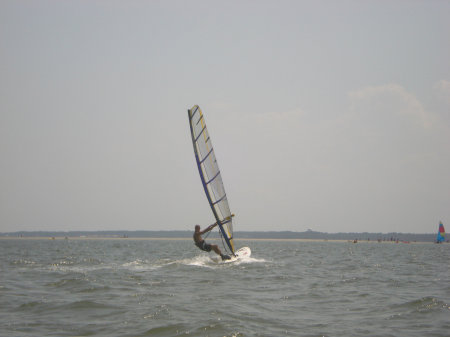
pixel 441 233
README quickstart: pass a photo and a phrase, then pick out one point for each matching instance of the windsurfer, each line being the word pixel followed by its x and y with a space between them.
pixel 200 243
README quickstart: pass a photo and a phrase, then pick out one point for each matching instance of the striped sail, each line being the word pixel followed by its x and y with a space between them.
pixel 210 175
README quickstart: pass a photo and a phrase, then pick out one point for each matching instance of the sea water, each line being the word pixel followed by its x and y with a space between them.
pixel 126 287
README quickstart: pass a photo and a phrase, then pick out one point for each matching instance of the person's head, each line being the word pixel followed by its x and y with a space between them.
pixel 197 228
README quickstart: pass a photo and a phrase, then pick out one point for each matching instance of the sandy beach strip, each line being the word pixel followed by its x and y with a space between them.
pixel 186 239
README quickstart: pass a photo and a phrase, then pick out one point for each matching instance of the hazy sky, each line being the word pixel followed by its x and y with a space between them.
pixel 328 115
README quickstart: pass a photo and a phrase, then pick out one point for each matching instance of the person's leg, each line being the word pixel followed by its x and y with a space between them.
pixel 216 250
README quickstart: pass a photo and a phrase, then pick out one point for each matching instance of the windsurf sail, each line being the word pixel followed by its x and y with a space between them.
pixel 441 234
pixel 210 176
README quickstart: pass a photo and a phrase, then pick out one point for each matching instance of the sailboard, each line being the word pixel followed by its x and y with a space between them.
pixel 211 177
pixel 441 234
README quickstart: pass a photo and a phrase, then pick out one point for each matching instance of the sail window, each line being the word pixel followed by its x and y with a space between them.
pixel 213 178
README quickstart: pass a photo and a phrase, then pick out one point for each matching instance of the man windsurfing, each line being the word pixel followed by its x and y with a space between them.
pixel 201 244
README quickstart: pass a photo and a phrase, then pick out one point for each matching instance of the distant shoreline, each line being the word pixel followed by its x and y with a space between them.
pixel 238 235
pixel 93 238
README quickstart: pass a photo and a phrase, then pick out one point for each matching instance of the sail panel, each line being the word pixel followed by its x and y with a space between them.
pixel 210 174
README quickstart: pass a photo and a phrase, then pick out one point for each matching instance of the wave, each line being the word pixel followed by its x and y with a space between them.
pixel 46 307
pixel 86 304
pixel 425 305
pixel 23 262
pixel 213 329
pixel 30 305
pixel 167 330
pixel 67 283
pixel 77 285
pixel 214 261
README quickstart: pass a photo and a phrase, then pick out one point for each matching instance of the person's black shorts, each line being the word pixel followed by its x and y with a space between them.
pixel 205 246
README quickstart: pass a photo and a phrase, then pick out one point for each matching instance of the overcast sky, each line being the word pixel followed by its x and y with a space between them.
pixel 325 115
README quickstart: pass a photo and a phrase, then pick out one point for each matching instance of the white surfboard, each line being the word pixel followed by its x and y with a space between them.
pixel 240 254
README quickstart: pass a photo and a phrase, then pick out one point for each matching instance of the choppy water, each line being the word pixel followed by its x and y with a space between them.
pixel 169 288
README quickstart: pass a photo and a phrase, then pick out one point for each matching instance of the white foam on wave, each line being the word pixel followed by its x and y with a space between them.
pixel 146 265
pixel 199 260
pixel 140 265
pixel 211 261
pixel 133 264
pixel 244 260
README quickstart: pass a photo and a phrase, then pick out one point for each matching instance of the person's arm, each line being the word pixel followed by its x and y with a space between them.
pixel 210 227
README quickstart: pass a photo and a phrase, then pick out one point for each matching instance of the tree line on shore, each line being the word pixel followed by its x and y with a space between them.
pixel 365 236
